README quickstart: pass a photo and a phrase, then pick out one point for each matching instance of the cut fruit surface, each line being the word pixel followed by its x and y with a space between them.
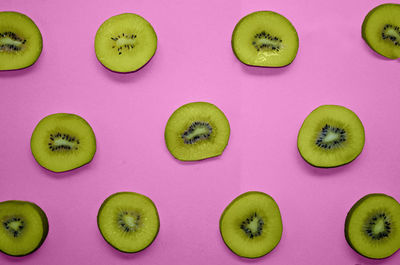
pixel 265 38
pixel 128 221
pixel 62 141
pixel 331 136
pixel 197 131
pixel 251 225
pixel 372 226
pixel 20 41
pixel 125 42
pixel 24 227
pixel 381 30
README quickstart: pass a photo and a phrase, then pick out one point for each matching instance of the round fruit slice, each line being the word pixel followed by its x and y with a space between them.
pixel 251 225
pixel 197 131
pixel 24 227
pixel 331 136
pixel 128 221
pixel 381 30
pixel 265 38
pixel 372 226
pixel 125 43
pixel 61 142
pixel 20 41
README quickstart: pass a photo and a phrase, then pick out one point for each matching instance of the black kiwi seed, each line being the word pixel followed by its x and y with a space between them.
pixel 197 124
pixel 369 227
pixel 248 231
pixel 71 139
pixel 340 133
pixel 265 46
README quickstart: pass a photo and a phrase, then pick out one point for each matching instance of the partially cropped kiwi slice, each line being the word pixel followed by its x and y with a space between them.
pixel 266 39
pixel 372 226
pixel 23 227
pixel 128 221
pixel 20 41
pixel 251 225
pixel 381 30
pixel 197 131
pixel 125 42
pixel 331 136
pixel 62 141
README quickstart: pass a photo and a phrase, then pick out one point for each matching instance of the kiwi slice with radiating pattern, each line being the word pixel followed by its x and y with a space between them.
pixel 265 38
pixel 125 42
pixel 372 226
pixel 331 136
pixel 62 141
pixel 20 41
pixel 23 227
pixel 251 225
pixel 197 131
pixel 381 30
pixel 128 221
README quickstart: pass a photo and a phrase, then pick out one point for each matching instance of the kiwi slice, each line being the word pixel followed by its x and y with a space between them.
pixel 125 42
pixel 62 141
pixel 24 227
pixel 331 136
pixel 265 38
pixel 128 221
pixel 251 225
pixel 372 226
pixel 381 30
pixel 196 131
pixel 20 41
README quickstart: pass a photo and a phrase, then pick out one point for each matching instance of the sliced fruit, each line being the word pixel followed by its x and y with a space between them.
pixel 128 221
pixel 62 141
pixel 24 227
pixel 197 131
pixel 125 42
pixel 372 226
pixel 251 225
pixel 331 136
pixel 266 39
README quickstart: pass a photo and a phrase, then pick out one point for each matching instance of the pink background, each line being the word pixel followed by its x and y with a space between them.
pixel 194 62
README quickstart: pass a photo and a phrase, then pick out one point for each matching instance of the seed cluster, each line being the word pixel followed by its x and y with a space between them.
pixel 126 227
pixel 273 46
pixel 394 39
pixel 373 221
pixel 332 144
pixel 11 47
pixel 249 233
pixel 192 128
pixel 127 46
pixel 14 232
pixel 54 147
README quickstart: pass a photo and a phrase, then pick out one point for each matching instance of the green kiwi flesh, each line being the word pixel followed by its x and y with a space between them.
pixel 381 30
pixel 20 41
pixel 372 226
pixel 128 221
pixel 125 42
pixel 331 136
pixel 62 141
pixel 197 131
pixel 24 227
pixel 266 39
pixel 251 225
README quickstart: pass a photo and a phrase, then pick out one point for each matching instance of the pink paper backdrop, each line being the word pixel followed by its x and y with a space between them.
pixel 194 62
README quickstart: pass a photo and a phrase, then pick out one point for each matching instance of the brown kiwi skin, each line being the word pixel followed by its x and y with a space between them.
pixel 229 205
pixel 98 225
pixel 45 226
pixel 349 214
